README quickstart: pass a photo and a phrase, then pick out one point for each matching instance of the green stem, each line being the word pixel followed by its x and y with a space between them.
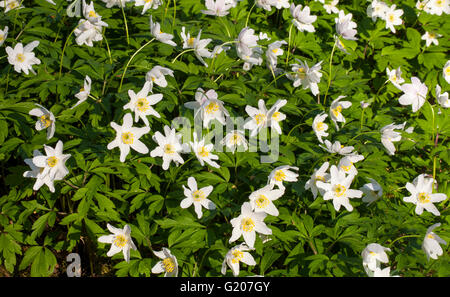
pixel 226 27
pixel 329 76
pixel 402 237
pixel 174 13
pixel 362 119
pixel 64 49
pixel 289 46
pixel 188 50
pixel 129 61
pixel 248 16
pixel 107 47
pixel 125 21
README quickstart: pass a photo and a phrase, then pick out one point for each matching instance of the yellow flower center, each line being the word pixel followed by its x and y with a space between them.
pixel 45 120
pixel 321 178
pixel 320 126
pixel 2 37
pixel 301 72
pixel 279 175
pixel 275 50
pixel 52 161
pixel 432 35
pixel 169 149
pixel 237 256
pixel 120 241
pixel 148 1
pixel 169 264
pixel 336 111
pixel 431 236
pixel 198 195
pixel 421 5
pixel 20 57
pixel 439 3
pixel 262 201
pixel 447 70
pixel 391 17
pixel 394 77
pixel 92 14
pixel 203 152
pixel 235 138
pixel 82 90
pixel 142 104
pixel 12 5
pixel 191 41
pixel 424 197
pixel 341 43
pixel 276 115
pixel 347 168
pixel 339 190
pixel 153 78
pixel 212 107
pixel 247 224
pixel 260 118
pixel 127 138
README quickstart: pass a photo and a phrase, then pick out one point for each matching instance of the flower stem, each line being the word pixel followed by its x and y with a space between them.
pixel 248 16
pixel 289 46
pixel 126 67
pixel 402 237
pixel 329 75
pixel 125 21
pixel 188 50
pixel 64 49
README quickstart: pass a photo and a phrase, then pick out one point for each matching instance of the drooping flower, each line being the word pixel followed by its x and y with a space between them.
pixel 431 243
pixel 218 7
pixel 84 92
pixel 336 110
pixel 203 152
pixel 305 76
pixel 236 255
pixel 414 94
pixel 3 35
pixel 280 4
pixel 198 197
pixel 331 7
pixel 247 224
pixel 157 76
pixel 87 32
pixel 388 136
pixel 393 17
pixel 141 103
pixel 345 27
pixel 247 48
pixel 337 148
pixel 319 127
pixel 373 255
pixel 90 14
pixel 154 4
pixel 53 163
pixel 442 99
pixel 46 120
pixel 112 3
pixel 127 137
pixel 302 18
pixel 338 189
pixel 11 4
pixel 431 38
pixel 120 241
pixel 273 51
pixel 377 9
pixel 395 77
pixel 318 175
pixel 372 191
pixel 422 195
pixel 168 263
pixel 169 147
pixel 235 140
pixel 385 272
pixel 207 107
pixel 22 58
pixel 262 199
pixel 155 31
pixel 281 174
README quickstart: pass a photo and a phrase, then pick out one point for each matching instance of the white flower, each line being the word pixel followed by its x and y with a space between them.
pixel 128 137
pixel 84 92
pixel 377 9
pixel 388 135
pixel 157 75
pixel 10 4
pixel 331 7
pixel 141 103
pixel 87 32
pixel 338 189
pixel 262 199
pixel 346 163
pixel 154 4
pixel 430 38
pixel 422 195
pixel 442 98
pixel 259 117
pixel 345 27
pixel 200 50
pixel 277 116
pixel 373 255
pixel 393 17
pixel 319 127
pixel 36 172
pixel 188 41
pixel 22 58
pixel 281 174
pixel 395 77
pixel 155 30
pixel 318 175
pixel 234 140
pixel 90 14
pixel 305 76
pixel 273 51
pixel 336 110
pixel 203 152
pixel 168 263
pixel 46 120
pixel 372 191
pixel 234 256
pixel 111 3
pixel 302 18
pixel 53 163
pixel 247 224
pixel 218 8
pixel 386 272
pixel 198 197
pixel 414 94
pixel 337 147
pixel 3 35
pixel 168 148
pixel 120 241
pixel 431 243
pixel 207 107
pixel 446 71
pixel 279 4
pixel 248 49
pixel 437 7
pixel 265 4
pixel 364 104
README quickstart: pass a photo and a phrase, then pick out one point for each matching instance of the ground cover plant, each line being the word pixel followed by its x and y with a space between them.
pixel 205 138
